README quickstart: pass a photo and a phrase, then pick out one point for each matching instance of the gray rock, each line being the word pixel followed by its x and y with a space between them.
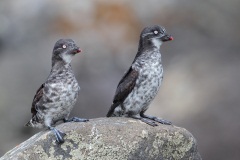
pixel 109 139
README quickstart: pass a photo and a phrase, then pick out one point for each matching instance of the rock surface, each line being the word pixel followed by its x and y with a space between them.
pixel 109 139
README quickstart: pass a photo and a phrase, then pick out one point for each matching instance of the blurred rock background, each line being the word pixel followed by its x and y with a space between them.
pixel 200 91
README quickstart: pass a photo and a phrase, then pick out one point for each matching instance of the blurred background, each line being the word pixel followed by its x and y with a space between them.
pixel 200 90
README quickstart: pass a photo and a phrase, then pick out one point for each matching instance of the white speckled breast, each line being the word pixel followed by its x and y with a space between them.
pixel 60 95
pixel 147 85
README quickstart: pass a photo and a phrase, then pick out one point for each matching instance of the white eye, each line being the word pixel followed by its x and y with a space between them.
pixel 64 46
pixel 155 32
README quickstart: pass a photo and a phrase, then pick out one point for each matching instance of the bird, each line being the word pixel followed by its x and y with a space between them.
pixel 55 98
pixel 140 84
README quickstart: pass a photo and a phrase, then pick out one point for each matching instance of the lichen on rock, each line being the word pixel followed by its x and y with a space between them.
pixel 109 139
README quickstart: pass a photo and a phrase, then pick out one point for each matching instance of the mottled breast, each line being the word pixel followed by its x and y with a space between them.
pixel 60 95
pixel 147 85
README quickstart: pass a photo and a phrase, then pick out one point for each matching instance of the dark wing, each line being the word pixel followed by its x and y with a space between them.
pixel 36 99
pixel 124 87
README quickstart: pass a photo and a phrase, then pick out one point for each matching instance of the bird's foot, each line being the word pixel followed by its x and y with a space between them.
pixel 148 121
pixel 145 120
pixel 58 134
pixel 156 119
pixel 75 119
pixel 162 121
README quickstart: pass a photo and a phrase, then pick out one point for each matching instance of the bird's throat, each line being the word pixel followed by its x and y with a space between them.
pixel 156 43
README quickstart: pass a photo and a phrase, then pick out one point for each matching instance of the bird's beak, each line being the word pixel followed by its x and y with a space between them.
pixel 166 38
pixel 77 50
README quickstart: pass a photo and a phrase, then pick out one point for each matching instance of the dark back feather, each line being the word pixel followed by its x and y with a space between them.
pixel 125 86
pixel 36 99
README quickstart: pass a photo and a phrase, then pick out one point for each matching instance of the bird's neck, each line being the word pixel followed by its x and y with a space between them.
pixel 151 44
pixel 149 50
pixel 59 64
pixel 156 44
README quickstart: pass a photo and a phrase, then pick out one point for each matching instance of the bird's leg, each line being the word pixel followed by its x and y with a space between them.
pixel 75 119
pixel 162 121
pixel 58 134
pixel 145 120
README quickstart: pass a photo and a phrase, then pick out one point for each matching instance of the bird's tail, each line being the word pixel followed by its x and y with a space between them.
pixel 34 123
pixel 111 110
pixel 29 124
pixel 109 114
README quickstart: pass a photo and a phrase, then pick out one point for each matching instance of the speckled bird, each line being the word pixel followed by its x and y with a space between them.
pixel 141 82
pixel 56 97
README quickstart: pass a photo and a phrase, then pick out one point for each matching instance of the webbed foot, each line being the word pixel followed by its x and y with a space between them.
pixel 156 119
pixel 58 134
pixel 75 119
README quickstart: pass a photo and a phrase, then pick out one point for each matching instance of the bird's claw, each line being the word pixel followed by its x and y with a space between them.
pixel 150 122
pixel 58 134
pixel 59 137
pixel 76 119
pixel 156 119
pixel 162 121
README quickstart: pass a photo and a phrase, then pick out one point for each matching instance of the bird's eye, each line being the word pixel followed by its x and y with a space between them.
pixel 64 46
pixel 155 32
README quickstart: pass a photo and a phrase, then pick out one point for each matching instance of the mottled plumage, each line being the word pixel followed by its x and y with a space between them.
pixel 56 97
pixel 141 82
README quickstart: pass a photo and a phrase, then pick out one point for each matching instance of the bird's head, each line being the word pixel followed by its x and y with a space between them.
pixel 65 49
pixel 154 36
